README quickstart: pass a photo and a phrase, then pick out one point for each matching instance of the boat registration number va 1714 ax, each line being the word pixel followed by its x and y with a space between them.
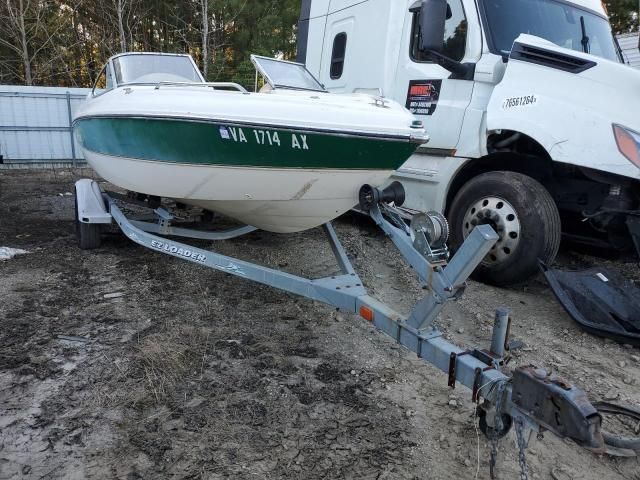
pixel 296 141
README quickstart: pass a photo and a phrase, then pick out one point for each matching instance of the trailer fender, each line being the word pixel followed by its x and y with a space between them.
pixel 91 204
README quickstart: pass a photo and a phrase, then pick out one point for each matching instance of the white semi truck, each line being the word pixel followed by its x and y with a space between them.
pixel 534 120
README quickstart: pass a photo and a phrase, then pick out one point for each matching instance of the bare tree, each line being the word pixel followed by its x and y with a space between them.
pixel 26 30
pixel 120 5
pixel 10 69
pixel 213 26
pixel 66 41
pixel 120 14
pixel 205 37
pixel 15 36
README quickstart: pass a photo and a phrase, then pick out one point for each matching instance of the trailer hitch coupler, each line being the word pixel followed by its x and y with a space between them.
pixel 556 405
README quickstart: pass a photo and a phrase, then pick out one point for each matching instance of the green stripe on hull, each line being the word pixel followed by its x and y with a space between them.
pixel 203 143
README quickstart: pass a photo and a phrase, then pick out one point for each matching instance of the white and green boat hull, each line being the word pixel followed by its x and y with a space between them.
pixel 282 161
pixel 276 179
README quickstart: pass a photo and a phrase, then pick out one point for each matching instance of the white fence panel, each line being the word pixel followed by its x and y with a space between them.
pixel 630 48
pixel 35 125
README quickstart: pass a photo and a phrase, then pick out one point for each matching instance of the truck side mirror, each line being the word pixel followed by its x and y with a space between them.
pixel 433 15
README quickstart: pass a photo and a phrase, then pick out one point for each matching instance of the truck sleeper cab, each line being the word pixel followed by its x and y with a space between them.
pixel 532 116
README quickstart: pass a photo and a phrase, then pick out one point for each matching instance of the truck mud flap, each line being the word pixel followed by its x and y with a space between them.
pixel 602 302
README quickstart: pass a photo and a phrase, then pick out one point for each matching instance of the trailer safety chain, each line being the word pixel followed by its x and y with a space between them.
pixel 499 426
pixel 499 430
pixel 493 458
pixel 522 446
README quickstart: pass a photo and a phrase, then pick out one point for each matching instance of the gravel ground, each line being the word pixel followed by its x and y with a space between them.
pixel 123 363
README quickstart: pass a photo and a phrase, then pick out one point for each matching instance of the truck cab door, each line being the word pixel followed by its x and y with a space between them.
pixel 430 91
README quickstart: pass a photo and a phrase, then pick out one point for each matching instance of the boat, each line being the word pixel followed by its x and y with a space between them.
pixel 287 158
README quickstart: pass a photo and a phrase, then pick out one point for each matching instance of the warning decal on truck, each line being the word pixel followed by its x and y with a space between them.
pixel 422 97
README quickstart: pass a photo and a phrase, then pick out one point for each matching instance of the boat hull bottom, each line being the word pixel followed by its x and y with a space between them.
pixel 280 200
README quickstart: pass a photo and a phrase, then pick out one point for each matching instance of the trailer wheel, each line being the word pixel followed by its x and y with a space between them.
pixel 88 234
pixel 523 214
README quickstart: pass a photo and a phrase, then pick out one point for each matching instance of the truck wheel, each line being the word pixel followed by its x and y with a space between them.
pixel 88 234
pixel 522 213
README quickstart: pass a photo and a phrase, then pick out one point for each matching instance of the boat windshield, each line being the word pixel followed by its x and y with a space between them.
pixel 557 21
pixel 282 74
pixel 152 69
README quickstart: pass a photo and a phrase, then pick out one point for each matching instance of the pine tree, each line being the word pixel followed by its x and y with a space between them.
pixel 623 15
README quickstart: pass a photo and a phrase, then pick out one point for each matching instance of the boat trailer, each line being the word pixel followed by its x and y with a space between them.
pixel 531 398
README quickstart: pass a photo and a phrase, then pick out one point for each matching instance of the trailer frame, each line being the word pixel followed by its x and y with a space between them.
pixel 559 406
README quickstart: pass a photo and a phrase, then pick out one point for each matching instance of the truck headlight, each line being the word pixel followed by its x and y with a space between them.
pixel 628 143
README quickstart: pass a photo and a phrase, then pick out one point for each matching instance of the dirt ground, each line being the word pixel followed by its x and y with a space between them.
pixel 123 363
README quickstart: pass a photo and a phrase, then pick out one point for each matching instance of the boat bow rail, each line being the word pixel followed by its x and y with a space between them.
pixel 214 85
pixel 531 397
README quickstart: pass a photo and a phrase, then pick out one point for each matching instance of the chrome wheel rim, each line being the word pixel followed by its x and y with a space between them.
pixel 499 214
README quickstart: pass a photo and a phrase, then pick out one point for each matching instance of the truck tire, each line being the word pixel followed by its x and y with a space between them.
pixel 88 235
pixel 523 214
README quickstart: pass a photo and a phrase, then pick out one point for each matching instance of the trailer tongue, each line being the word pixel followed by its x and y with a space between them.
pixel 531 398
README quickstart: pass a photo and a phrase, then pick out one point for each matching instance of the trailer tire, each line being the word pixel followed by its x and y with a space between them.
pixel 88 234
pixel 523 214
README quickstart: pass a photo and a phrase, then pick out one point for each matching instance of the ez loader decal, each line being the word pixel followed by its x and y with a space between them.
pixel 182 252
pixel 271 138
pixel 195 256
pixel 422 97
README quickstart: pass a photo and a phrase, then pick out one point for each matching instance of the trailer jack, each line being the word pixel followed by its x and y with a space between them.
pixel 532 398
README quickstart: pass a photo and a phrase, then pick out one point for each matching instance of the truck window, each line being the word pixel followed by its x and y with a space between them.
pixel 554 20
pixel 455 35
pixel 337 55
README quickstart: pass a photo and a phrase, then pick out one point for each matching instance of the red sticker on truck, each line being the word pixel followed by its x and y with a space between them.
pixel 422 97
